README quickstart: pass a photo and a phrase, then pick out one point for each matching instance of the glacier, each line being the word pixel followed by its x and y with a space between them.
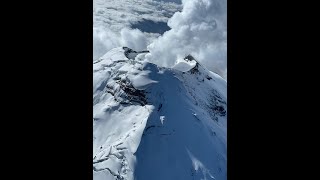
pixel 157 123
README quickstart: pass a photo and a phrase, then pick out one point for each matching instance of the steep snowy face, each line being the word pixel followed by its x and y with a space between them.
pixel 157 123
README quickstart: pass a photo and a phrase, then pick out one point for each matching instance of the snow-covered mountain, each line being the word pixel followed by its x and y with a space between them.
pixel 156 123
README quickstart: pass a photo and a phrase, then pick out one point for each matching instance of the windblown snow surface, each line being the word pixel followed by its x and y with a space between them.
pixel 156 123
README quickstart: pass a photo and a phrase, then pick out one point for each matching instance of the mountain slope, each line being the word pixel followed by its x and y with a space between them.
pixel 156 123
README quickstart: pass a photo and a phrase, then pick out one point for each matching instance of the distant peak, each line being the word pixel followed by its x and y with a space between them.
pixel 128 50
pixel 189 58
pixel 131 54
pixel 195 69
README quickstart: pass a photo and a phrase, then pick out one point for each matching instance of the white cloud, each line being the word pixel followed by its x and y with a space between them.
pixel 116 14
pixel 106 39
pixel 134 39
pixel 112 20
pixel 201 30
pixel 103 40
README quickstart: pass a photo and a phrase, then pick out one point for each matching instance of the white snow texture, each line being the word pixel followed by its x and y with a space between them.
pixel 157 123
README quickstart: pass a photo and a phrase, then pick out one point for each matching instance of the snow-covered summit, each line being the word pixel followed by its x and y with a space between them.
pixel 157 123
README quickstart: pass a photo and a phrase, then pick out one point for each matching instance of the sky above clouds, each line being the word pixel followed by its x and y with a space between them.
pixel 196 27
